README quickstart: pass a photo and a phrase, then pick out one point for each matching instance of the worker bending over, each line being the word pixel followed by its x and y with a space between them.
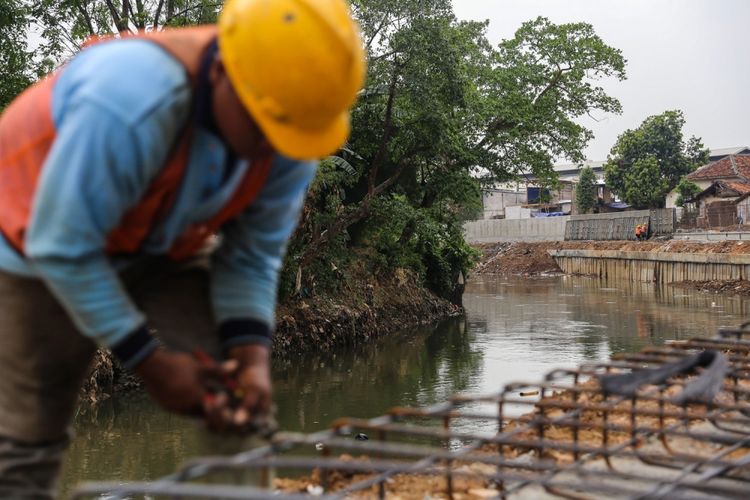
pixel 116 172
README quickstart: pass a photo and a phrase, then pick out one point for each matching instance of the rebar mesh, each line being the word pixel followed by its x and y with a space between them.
pixel 669 422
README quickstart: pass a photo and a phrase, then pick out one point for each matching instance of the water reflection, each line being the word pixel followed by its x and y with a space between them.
pixel 129 438
pixel 419 367
pixel 527 327
pixel 513 330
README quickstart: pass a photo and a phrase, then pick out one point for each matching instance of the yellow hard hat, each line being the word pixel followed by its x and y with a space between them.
pixel 297 66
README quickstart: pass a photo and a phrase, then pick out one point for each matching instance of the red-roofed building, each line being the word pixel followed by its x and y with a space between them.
pixel 731 168
pixel 723 204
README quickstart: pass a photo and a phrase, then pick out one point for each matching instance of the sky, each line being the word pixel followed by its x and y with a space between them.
pixel 692 55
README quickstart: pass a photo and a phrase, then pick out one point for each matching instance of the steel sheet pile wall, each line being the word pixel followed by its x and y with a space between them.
pixel 654 267
pixel 619 226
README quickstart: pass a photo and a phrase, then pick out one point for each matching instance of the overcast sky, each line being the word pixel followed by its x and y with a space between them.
pixel 692 55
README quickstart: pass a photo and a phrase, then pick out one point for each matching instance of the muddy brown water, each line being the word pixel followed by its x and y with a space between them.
pixel 514 329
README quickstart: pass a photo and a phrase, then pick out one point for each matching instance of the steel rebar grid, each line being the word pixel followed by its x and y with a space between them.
pixel 575 440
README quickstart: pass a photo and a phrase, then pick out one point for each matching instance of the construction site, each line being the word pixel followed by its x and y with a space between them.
pixel 667 422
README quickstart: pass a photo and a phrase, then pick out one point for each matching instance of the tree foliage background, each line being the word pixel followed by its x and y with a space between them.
pixel 647 163
pixel 687 190
pixel 586 190
pixel 15 58
pixel 442 111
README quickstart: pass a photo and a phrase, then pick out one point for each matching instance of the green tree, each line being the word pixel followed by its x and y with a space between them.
pixel 538 85
pixel 66 24
pixel 15 59
pixel 687 190
pixel 645 164
pixel 586 191
pixel 411 154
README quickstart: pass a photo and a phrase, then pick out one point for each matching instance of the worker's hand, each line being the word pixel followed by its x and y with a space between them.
pixel 254 380
pixel 178 382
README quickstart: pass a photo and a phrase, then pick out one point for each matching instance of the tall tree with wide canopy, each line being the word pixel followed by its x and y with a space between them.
pixel 540 83
pixel 442 105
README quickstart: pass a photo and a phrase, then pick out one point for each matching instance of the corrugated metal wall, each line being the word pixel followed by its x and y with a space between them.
pixel 619 226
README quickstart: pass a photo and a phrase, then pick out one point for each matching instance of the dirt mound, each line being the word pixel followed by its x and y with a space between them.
pixel 733 287
pixel 518 258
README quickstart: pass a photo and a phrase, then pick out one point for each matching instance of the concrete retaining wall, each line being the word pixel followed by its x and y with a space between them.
pixel 659 267
pixel 711 236
pixel 497 231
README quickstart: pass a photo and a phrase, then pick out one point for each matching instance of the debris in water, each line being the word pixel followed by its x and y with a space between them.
pixel 314 490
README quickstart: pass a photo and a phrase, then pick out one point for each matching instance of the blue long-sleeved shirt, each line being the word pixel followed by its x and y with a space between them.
pixel 118 108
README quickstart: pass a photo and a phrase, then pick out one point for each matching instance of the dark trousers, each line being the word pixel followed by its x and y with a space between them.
pixel 43 361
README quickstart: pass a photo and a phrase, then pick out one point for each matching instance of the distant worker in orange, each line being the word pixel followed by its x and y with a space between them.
pixel 116 171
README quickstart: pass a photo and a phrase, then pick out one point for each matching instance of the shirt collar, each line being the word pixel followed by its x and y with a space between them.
pixel 204 115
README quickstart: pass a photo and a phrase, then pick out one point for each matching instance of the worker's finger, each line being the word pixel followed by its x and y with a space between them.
pixel 251 398
pixel 263 404
pixel 229 367
pixel 216 411
pixel 241 418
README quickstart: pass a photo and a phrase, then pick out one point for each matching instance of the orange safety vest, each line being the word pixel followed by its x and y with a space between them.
pixel 27 132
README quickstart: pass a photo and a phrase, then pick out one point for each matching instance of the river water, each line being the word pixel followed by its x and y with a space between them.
pixel 514 329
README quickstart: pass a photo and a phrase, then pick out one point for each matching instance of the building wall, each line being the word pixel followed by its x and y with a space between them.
pixel 495 202
pixel 743 211
pixel 566 193
pixel 517 212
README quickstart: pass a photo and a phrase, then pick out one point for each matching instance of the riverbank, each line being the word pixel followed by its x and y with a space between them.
pixel 365 309
pixel 529 259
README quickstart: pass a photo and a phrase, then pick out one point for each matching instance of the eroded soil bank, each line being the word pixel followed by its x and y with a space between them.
pixel 364 310
pixel 529 259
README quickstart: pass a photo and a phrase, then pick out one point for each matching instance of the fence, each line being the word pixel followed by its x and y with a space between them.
pixel 717 216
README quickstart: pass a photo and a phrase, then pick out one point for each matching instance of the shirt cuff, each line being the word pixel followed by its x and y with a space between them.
pixel 234 332
pixel 135 348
